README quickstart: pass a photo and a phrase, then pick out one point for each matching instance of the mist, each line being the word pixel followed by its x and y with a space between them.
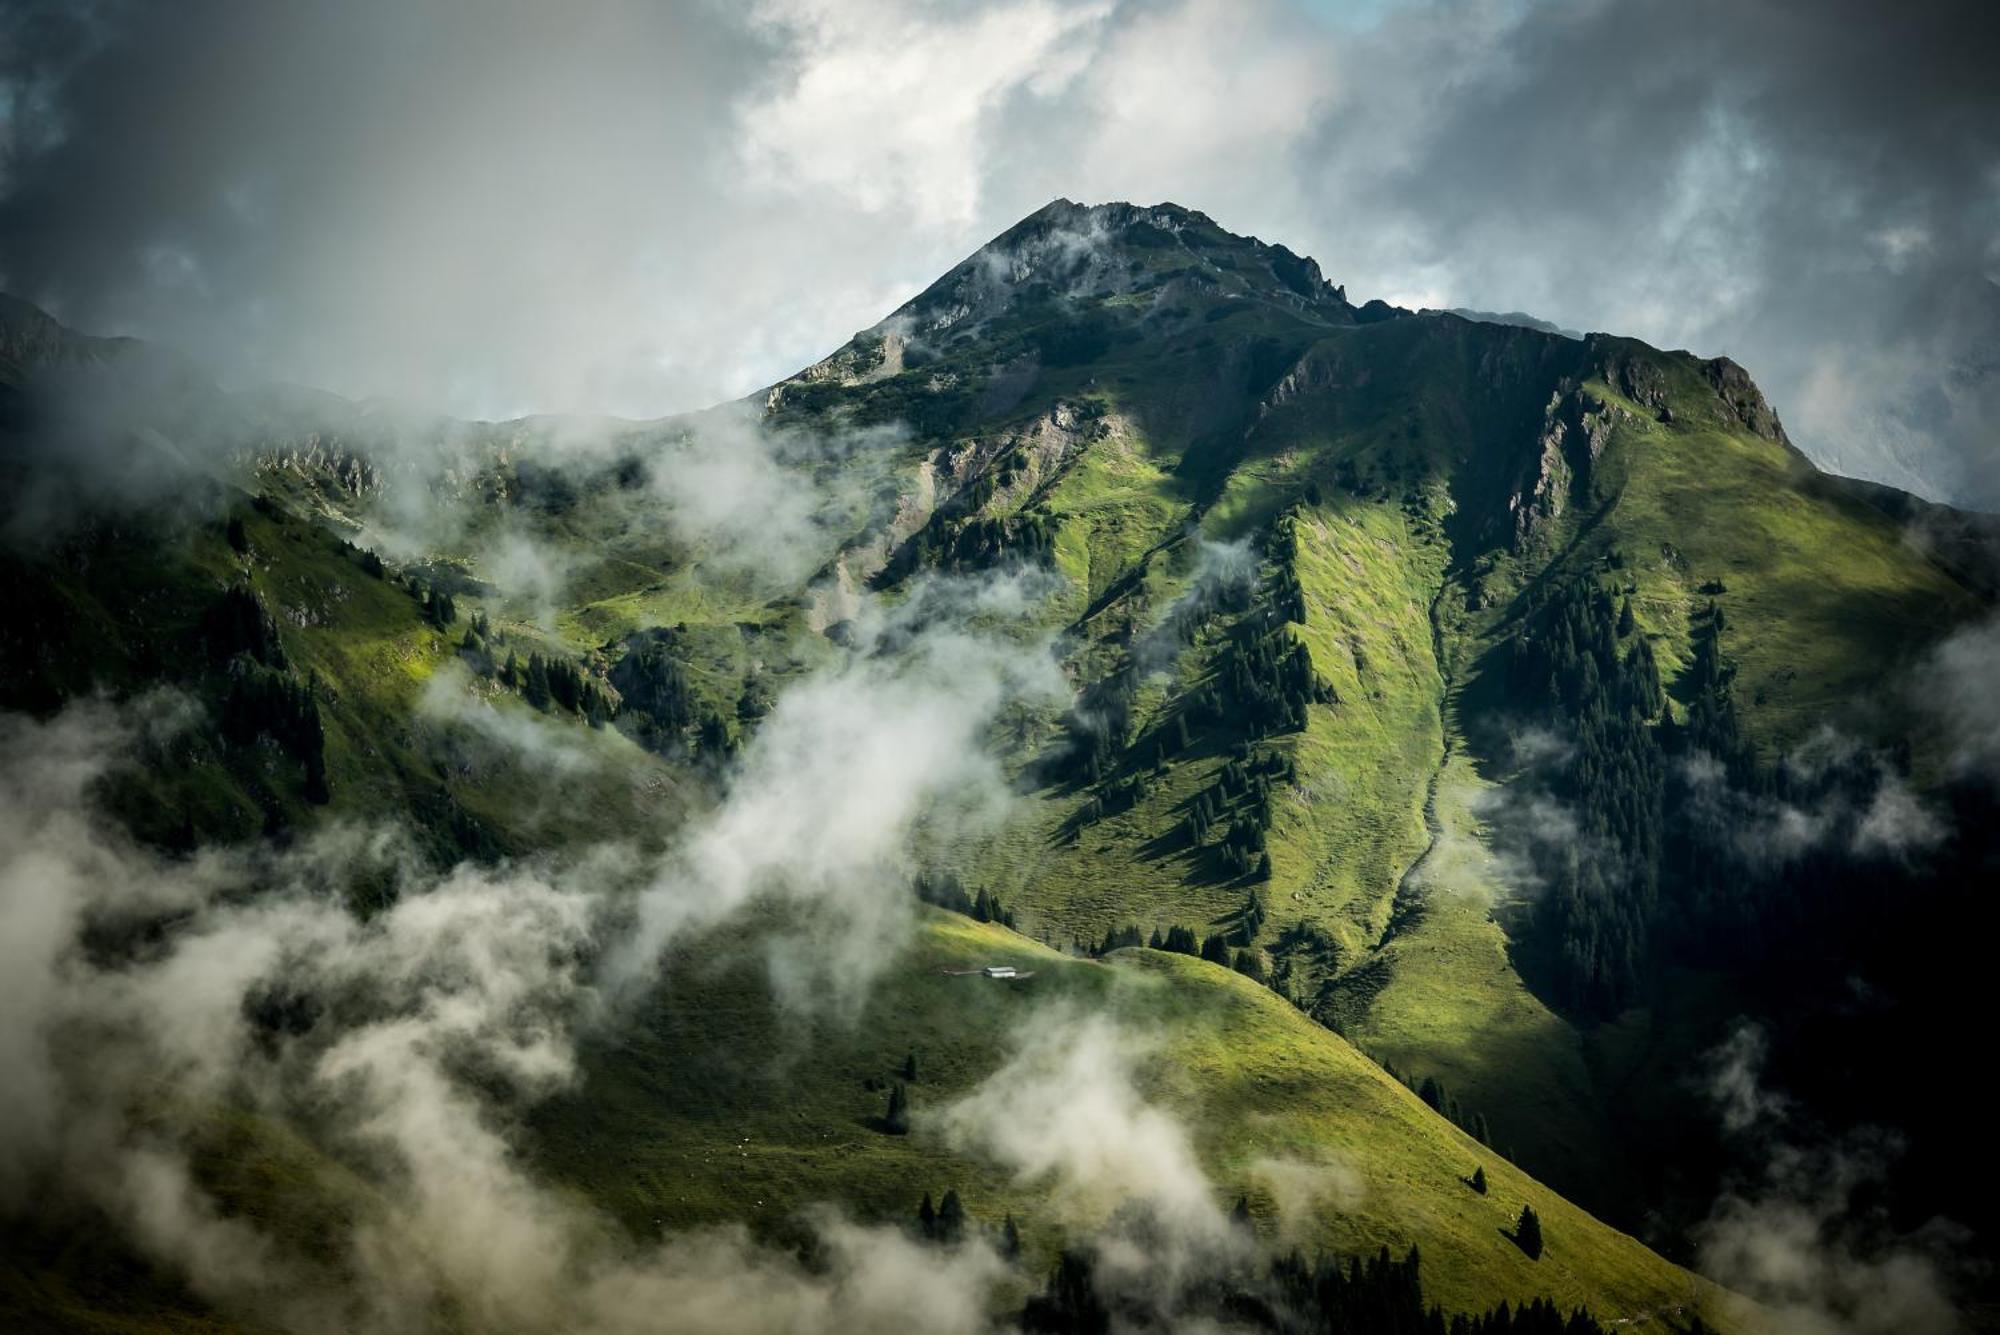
pixel 407 1045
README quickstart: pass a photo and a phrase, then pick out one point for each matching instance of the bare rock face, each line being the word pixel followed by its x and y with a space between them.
pixel 1739 393
pixel 1575 430
pixel 319 458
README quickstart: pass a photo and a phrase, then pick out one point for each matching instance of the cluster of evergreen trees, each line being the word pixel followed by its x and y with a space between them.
pixel 364 557
pixel 1230 949
pixel 1259 685
pixel 1433 1092
pixel 1241 792
pixel 659 705
pixel 947 1223
pixel 1097 727
pixel 236 623
pixel 266 702
pixel 1378 1296
pixel 946 891
pixel 440 608
pixel 1656 869
pixel 958 537
pixel 556 683
pixel 1262 685
pixel 544 682
pixel 262 697
pixel 1594 921
pixel 980 543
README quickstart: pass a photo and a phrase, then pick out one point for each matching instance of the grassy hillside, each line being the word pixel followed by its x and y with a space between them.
pixel 784 1114
pixel 1287 535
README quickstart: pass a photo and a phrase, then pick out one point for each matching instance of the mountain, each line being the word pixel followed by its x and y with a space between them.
pixel 1507 712
pixel 1521 318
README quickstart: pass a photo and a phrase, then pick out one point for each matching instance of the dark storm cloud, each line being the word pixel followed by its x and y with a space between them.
pixel 630 208
pixel 1812 187
pixel 448 202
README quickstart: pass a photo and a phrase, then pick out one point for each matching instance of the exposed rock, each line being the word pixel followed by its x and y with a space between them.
pixel 1575 430
pixel 1740 394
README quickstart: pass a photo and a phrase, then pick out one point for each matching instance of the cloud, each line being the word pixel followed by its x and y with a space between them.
pixel 1798 1239
pixel 406 1045
pixel 1305 1192
pixel 668 206
pixel 838 779
pixel 1224 576
pixel 1955 685
pixel 1065 1113
pixel 1837 797
pixel 885 106
pixel 749 497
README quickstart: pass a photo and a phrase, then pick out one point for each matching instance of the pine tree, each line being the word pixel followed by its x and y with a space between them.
pixel 910 1067
pixel 238 539
pixel 1626 622
pixel 927 1217
pixel 896 1121
pixel 1431 1092
pixel 1528 1233
pixel 951 1217
pixel 1478 1180
pixel 1010 1239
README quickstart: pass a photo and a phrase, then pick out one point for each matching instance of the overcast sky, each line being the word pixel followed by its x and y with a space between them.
pixel 511 206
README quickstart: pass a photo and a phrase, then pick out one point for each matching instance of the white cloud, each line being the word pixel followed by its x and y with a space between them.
pixel 886 106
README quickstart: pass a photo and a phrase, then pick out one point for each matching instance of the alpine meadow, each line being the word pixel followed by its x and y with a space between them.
pixel 1138 792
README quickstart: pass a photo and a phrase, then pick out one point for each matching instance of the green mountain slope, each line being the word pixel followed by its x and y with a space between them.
pixel 1438 470
pixel 1293 547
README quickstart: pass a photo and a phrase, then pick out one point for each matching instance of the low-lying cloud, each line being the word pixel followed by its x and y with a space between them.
pixel 1797 1238
pixel 405 1045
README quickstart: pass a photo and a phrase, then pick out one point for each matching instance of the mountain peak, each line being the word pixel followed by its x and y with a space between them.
pixel 1104 252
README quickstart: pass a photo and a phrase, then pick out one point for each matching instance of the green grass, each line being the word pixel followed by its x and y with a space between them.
pixel 783 1116
pixel 1417 436
pixel 1825 598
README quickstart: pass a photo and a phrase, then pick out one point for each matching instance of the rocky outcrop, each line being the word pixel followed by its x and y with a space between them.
pixel 1575 430
pixel 325 461
pixel 1739 393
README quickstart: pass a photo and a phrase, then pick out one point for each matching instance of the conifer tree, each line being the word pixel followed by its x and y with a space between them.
pixel 896 1121
pixel 1478 1180
pixel 927 1217
pixel 1010 1239
pixel 951 1217
pixel 1528 1233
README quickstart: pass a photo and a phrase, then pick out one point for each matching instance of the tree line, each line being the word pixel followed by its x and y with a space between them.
pixel 1381 1295
pixel 261 696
